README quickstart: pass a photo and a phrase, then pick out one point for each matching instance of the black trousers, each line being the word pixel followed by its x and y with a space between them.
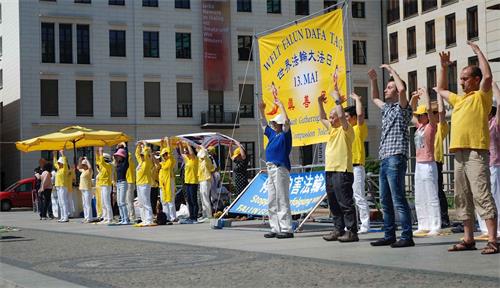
pixel 443 202
pixel 155 191
pixel 44 202
pixel 192 199
pixel 341 201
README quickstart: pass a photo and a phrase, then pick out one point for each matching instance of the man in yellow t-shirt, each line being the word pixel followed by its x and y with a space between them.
pixel 470 143
pixel 356 117
pixel 338 170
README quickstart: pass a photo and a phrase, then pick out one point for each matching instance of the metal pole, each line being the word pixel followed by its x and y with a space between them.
pixel 309 214
pixel 347 46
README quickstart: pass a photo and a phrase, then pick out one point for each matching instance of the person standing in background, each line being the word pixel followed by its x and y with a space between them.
pixel 167 180
pixel 61 164
pixel 190 181
pixel 144 179
pixel 85 187
pixel 122 165
pixel 104 183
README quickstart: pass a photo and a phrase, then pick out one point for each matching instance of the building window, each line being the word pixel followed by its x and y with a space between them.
pixel 151 44
pixel 412 81
pixel 117 2
pixel 117 43
pixel 83 1
pixel 410 8
pixel 118 98
pixel 451 30
pixel 49 98
pixel 328 3
pixel 250 153
pixel 215 106
pixel 1 45
pixel 446 2
pixel 183 45
pixel 65 43
pixel 84 98
pixel 82 44
pixel 473 61
pixel 452 77
pixel 246 93
pixel 48 43
pixel 393 47
pixel 245 48
pixel 363 92
pixel 411 41
pixel 184 100
pixel 472 25
pixel 430 36
pixel 358 9
pixel 428 5
pixel 393 11
pixel 301 7
pixel 149 3
pixel 182 4
pixel 431 81
pixel 244 5
pixel 152 104
pixel 1 78
pixel 274 6
pixel 359 52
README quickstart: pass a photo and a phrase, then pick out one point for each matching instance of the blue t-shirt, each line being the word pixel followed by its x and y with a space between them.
pixel 279 147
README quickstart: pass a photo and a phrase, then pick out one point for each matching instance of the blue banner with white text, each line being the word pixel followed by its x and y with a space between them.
pixel 306 190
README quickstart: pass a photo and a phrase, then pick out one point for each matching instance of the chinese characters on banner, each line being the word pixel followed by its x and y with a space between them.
pixel 299 62
pixel 216 18
pixel 306 190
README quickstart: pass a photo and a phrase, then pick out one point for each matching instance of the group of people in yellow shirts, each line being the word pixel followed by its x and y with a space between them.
pixel 154 171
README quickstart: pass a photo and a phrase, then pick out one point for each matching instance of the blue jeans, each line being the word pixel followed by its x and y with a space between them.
pixel 392 194
pixel 121 191
pixel 192 199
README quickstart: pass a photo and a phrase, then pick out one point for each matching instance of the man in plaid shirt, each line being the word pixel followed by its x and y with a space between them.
pixel 393 153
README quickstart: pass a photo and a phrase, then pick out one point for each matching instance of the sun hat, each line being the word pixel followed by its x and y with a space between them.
pixel 236 153
pixel 121 152
pixel 420 110
pixel 279 119
pixel 60 160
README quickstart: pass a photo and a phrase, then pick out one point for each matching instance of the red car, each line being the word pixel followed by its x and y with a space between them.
pixel 19 194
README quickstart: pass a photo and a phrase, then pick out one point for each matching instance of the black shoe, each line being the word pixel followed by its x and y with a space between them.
pixel 284 235
pixel 349 236
pixel 270 235
pixel 332 236
pixel 169 223
pixel 383 242
pixel 403 243
pixel 445 224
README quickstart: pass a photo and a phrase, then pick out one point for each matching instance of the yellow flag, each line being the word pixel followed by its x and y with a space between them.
pixel 297 65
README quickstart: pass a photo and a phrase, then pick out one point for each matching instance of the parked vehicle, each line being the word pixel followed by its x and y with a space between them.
pixel 19 194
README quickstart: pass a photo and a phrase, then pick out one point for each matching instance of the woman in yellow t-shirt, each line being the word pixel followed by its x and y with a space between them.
pixel 61 164
pixel 190 180
pixel 86 188
pixel 167 180
pixel 144 180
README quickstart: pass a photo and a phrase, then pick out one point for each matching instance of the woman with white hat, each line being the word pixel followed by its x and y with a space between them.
pixel 61 164
pixel 104 182
pixel 86 188
pixel 121 164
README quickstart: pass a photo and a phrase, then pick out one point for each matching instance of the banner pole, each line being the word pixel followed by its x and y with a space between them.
pixel 237 198
pixel 347 34
pixel 309 214
pixel 299 20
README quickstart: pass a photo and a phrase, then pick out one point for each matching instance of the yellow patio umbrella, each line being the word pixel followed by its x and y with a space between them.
pixel 72 137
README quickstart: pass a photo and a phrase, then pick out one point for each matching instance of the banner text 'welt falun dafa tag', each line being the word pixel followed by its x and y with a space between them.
pixel 297 64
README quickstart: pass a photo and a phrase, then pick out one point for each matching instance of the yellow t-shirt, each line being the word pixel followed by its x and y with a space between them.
pixel 441 133
pixel 205 169
pixel 167 178
pixel 358 145
pixel 469 120
pixel 339 150
pixel 105 172
pixel 190 170
pixel 85 179
pixel 61 172
pixel 130 175
pixel 69 180
pixel 144 170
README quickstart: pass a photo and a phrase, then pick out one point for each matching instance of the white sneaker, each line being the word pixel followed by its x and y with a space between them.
pixel 363 231
pixel 433 233
pixel 202 219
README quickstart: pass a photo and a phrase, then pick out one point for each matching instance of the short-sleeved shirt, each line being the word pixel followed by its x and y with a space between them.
pixel 469 120
pixel 86 179
pixel 279 147
pixel 441 133
pixel 494 142
pixel 358 146
pixel 338 152
pixel 424 142
pixel 394 139
pixel 190 170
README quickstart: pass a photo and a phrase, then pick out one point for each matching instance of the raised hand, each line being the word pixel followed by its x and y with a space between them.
pixel 322 98
pixel 262 105
pixel 445 58
pixel 386 66
pixel 474 47
pixel 355 96
pixel 372 74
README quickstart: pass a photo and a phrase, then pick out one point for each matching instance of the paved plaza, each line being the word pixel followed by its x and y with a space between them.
pixel 51 254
